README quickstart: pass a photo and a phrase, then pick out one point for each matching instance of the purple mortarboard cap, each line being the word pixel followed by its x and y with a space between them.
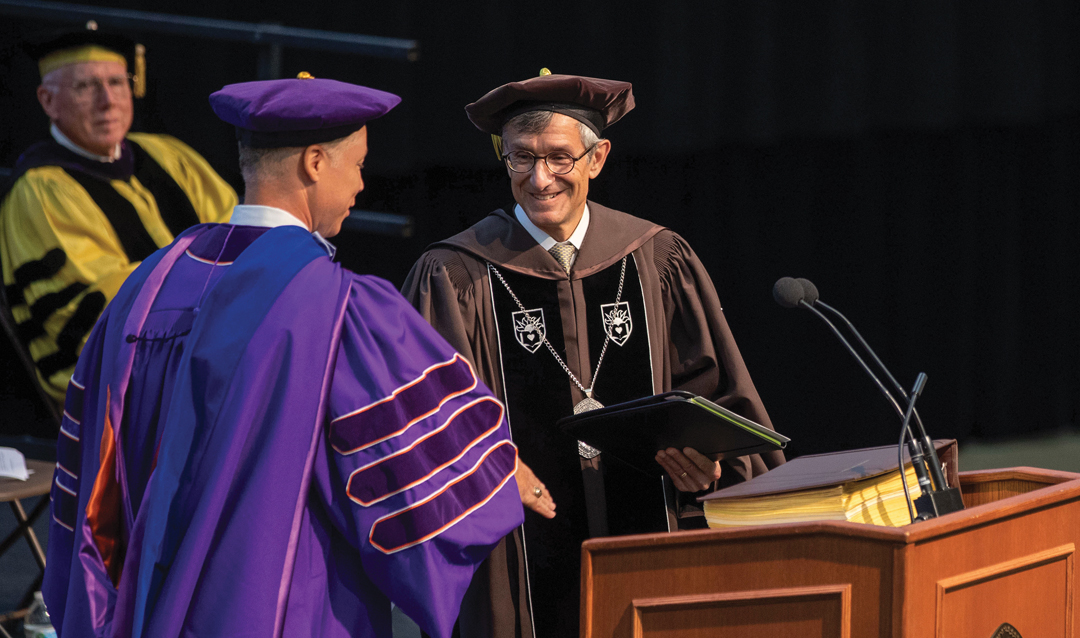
pixel 298 112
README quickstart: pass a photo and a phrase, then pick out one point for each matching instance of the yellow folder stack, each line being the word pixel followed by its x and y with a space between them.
pixel 877 500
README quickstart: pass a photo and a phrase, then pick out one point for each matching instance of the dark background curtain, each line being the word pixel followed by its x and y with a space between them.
pixel 918 161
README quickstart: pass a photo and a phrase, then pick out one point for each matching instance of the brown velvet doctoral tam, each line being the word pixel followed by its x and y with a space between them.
pixel 608 101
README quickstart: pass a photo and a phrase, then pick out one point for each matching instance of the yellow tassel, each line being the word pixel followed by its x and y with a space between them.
pixel 138 79
pixel 304 75
pixel 544 71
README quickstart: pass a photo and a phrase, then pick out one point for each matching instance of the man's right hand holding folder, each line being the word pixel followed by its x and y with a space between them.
pixel 689 470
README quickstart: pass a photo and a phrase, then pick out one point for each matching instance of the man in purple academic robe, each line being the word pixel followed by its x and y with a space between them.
pixel 257 442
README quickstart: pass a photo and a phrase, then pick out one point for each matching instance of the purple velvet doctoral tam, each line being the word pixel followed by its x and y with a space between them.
pixel 257 442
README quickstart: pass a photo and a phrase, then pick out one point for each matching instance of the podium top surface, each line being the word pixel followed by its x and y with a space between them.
pixel 989 496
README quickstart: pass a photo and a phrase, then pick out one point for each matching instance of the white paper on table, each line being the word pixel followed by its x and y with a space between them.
pixel 13 464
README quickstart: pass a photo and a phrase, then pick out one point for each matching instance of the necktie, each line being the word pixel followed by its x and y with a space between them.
pixel 562 254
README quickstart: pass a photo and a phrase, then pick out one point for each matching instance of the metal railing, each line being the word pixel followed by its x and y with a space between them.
pixel 390 224
pixel 267 35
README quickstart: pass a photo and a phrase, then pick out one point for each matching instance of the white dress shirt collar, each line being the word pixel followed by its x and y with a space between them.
pixel 271 217
pixel 547 241
pixel 64 141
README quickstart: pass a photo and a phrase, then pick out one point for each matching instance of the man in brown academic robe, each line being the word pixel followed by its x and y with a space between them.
pixel 560 302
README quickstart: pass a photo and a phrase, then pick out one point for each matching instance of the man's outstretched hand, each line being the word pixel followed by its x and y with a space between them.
pixel 528 486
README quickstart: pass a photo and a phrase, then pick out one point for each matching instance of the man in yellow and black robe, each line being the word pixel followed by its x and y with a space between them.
pixel 82 209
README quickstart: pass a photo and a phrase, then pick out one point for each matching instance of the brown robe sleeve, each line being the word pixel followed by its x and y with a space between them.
pixel 450 290
pixel 446 306
pixel 702 353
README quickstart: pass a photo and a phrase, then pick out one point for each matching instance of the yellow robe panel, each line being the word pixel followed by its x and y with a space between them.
pixel 47 209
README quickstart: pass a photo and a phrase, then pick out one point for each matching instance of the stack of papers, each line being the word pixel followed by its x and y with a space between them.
pixel 13 464
pixel 862 486
pixel 875 501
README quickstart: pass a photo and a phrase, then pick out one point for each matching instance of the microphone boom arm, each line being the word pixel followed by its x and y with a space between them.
pixel 914 449
pixel 937 498
pixel 923 441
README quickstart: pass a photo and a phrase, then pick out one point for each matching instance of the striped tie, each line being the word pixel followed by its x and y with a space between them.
pixel 562 254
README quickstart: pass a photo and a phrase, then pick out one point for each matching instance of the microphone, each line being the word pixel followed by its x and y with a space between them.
pixel 810 293
pixel 925 442
pixel 788 292
pixel 794 293
pixel 905 432
pixel 791 293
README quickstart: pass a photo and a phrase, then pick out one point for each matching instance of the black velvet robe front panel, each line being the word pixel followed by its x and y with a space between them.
pixel 691 348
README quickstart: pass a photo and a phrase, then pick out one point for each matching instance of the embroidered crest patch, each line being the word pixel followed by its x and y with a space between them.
pixel 529 328
pixel 617 322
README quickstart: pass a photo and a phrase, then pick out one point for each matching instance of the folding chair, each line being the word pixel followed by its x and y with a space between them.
pixel 14 492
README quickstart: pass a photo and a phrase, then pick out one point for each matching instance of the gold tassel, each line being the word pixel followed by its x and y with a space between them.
pixel 138 79
pixel 544 71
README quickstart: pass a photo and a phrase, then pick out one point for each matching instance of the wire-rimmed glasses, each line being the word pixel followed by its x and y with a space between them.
pixel 558 163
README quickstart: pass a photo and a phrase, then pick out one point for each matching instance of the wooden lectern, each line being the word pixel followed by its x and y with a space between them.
pixel 1008 558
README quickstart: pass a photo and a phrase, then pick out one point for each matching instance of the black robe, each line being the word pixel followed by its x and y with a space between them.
pixel 678 339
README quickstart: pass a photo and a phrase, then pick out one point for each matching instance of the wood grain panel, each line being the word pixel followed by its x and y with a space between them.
pixel 987 486
pixel 795 612
pixel 1012 549
pixel 1033 593
pixel 982 493
pixel 797 562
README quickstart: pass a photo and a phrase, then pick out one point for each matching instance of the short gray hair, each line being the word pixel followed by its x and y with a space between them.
pixel 264 161
pixel 255 161
pixel 535 122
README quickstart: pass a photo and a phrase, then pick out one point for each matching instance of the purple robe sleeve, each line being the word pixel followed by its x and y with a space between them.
pixel 421 476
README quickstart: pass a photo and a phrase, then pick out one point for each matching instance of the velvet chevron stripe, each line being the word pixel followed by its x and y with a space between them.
pixel 69 458
pixel 428 455
pixel 44 307
pixel 71 335
pixel 33 271
pixel 426 519
pixel 407 405
pixel 65 501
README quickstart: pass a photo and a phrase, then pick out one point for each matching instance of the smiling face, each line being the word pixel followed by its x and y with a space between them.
pixel 555 203
pixel 339 183
pixel 90 102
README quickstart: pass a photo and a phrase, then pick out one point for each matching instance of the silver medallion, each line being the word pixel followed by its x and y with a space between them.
pixel 587 404
pixel 587 451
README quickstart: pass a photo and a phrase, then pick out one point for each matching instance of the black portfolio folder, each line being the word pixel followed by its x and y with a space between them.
pixel 635 430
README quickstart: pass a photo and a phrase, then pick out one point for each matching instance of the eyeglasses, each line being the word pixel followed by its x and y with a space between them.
pixel 86 89
pixel 559 163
